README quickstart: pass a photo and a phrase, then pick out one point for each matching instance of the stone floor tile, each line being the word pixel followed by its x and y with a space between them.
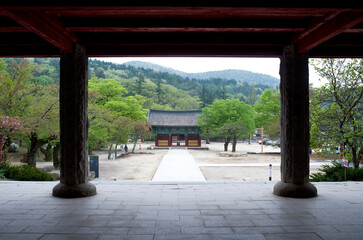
pixel 69 237
pixel 129 237
pixel 201 230
pixel 19 236
pixel 304 228
pixel 293 236
pixel 229 223
pixel 252 229
pixel 349 228
pixel 103 230
pixel 49 229
pixel 191 211
pixel 341 236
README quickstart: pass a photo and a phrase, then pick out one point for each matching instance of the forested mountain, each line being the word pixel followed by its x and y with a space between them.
pixel 239 75
pixel 159 89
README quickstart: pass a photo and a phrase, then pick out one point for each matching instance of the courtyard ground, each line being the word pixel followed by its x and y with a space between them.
pixel 143 165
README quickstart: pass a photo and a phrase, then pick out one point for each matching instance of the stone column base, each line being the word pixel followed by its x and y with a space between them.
pixel 74 191
pixel 306 190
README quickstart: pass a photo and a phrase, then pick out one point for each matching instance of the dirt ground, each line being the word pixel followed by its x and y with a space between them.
pixel 142 165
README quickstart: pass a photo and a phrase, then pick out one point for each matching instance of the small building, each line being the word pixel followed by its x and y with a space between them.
pixel 175 128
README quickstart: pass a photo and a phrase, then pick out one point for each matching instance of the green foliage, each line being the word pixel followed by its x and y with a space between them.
pixel 155 85
pixel 336 114
pixel 336 173
pixel 25 173
pixel 268 107
pixel 2 174
pixel 229 118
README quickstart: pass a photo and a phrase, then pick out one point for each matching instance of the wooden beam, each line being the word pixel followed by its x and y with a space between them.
pixel 47 28
pixel 334 26
pixel 192 12
pixel 183 29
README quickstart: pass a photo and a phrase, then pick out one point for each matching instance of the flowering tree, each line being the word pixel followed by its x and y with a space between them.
pixel 8 127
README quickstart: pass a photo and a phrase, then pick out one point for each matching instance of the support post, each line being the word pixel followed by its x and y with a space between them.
pixel 186 140
pixel 295 135
pixel 170 142
pixel 74 126
pixel 156 140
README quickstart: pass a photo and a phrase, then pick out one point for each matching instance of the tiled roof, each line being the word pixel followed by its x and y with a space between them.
pixel 173 118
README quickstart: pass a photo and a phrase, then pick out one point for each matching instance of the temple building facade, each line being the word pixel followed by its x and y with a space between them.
pixel 175 128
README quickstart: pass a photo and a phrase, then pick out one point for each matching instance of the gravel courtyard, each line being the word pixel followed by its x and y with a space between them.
pixel 142 165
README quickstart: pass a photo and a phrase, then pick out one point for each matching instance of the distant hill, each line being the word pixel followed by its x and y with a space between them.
pixel 238 75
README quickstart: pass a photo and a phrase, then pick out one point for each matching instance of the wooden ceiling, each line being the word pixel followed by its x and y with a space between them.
pixel 223 28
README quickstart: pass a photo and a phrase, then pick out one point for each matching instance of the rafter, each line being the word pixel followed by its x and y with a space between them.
pixel 336 24
pixel 46 27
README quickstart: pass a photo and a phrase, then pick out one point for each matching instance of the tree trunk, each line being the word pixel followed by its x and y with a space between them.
pixel 355 158
pixel 31 161
pixel 133 148
pixel 115 150
pixel 47 153
pixel 226 142
pixel 109 152
pixel 4 150
pixel 56 161
pixel 234 143
pixel 35 144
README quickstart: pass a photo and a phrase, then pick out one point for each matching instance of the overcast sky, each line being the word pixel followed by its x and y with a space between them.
pixel 268 66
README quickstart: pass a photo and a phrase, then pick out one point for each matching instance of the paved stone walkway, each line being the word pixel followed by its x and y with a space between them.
pixel 178 165
pixel 180 211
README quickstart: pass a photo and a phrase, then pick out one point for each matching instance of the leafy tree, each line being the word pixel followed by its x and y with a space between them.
pixel 41 121
pixel 99 72
pixel 228 118
pixel 336 115
pixel 8 127
pixel 141 130
pixel 106 89
pixel 159 90
pixel 252 98
pixel 130 107
pixel 36 105
pixel 16 90
pixel 140 83
pixel 268 112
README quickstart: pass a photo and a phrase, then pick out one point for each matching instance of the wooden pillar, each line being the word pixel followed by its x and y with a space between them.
pixel 295 135
pixel 156 140
pixel 170 140
pixel 199 141
pixel 186 140
pixel 74 126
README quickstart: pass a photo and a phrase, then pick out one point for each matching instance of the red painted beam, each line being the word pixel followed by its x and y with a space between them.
pixel 334 26
pixel 192 12
pixel 46 27
pixel 183 29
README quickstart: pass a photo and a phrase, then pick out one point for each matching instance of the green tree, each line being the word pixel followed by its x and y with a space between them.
pixel 105 90
pixel 36 105
pixel 252 98
pixel 229 118
pixel 336 115
pixel 140 82
pixel 159 90
pixel 41 121
pixel 268 112
pixel 16 91
pixel 140 130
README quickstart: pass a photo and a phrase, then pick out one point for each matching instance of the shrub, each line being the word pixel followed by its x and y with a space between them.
pixel 2 176
pixel 336 173
pixel 25 173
